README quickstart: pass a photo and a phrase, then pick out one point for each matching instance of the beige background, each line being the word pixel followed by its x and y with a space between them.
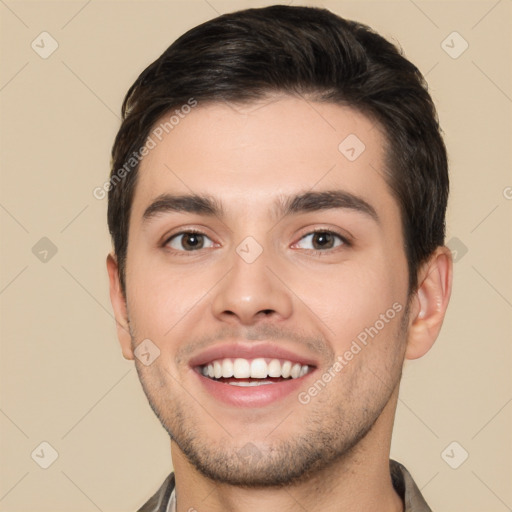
pixel 63 379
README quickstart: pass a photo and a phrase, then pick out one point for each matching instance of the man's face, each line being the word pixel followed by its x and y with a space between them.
pixel 257 283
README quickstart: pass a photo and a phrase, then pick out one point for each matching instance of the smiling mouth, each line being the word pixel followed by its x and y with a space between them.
pixel 253 372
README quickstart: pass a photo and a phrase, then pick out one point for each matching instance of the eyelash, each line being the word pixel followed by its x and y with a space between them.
pixel 318 252
pixel 186 232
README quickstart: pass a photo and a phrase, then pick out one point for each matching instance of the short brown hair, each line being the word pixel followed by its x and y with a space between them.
pixel 245 55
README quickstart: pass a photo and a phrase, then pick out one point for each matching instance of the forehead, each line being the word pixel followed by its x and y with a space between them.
pixel 248 155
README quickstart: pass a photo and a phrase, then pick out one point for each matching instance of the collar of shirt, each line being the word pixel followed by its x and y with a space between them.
pixel 164 500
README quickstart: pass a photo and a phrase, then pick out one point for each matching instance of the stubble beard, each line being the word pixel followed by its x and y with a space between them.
pixel 331 433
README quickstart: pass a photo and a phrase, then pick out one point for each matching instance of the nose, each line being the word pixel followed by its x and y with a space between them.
pixel 251 292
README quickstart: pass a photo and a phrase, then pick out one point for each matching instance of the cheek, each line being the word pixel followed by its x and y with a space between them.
pixel 353 298
pixel 160 297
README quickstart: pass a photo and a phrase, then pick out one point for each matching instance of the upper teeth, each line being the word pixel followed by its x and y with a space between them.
pixel 255 368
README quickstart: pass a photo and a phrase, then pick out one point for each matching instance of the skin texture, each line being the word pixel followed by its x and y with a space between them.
pixel 334 450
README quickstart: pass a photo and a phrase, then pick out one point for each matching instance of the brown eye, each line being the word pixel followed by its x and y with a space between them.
pixel 322 240
pixel 189 241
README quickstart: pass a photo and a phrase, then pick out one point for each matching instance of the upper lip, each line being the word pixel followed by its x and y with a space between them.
pixel 250 350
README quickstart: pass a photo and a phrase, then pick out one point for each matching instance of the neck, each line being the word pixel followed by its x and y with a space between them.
pixel 359 481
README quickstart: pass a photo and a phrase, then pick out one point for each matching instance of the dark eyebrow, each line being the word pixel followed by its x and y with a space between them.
pixel 325 200
pixel 193 203
pixel 288 205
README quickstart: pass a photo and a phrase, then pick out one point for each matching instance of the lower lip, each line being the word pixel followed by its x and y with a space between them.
pixel 252 396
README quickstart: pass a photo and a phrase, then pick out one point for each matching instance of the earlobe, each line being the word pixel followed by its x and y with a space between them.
pixel 428 307
pixel 118 301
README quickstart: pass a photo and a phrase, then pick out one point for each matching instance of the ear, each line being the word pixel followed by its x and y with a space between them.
pixel 119 305
pixel 428 306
